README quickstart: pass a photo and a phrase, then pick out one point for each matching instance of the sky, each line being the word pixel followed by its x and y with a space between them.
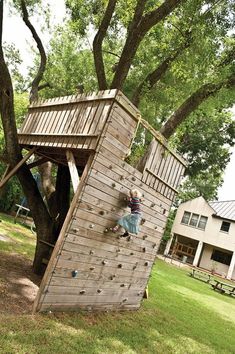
pixel 13 24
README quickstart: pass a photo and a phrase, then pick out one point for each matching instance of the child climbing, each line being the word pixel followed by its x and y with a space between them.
pixel 131 222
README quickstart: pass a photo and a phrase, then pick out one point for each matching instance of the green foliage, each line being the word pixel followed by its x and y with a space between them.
pixel 70 65
pixel 12 192
pixel 20 239
pixel 205 146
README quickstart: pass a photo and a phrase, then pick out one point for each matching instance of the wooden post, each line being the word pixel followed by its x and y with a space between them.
pixel 72 169
pixel 17 167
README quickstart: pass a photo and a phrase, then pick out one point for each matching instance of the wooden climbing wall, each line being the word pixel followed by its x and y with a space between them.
pixel 93 269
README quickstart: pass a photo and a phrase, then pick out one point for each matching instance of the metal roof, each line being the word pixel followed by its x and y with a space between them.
pixel 224 210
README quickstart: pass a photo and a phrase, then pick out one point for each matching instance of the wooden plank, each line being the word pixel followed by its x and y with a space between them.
pixel 162 181
pixel 17 167
pixel 89 300
pixel 63 277
pixel 72 169
pixel 101 307
pixel 59 135
pixel 128 105
pixel 105 95
pixel 96 259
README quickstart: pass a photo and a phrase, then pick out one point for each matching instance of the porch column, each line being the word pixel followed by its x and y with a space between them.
pixel 198 253
pixel 231 267
pixel 168 246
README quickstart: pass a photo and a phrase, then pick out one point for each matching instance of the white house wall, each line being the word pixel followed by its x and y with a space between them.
pixel 212 234
pixel 207 263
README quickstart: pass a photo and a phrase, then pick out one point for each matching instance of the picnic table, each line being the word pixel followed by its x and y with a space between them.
pixel 198 274
pixel 224 288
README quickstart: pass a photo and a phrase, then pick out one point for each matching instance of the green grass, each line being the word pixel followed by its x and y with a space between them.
pixel 22 240
pixel 181 316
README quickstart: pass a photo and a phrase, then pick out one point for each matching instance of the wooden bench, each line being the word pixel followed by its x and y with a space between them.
pixel 198 274
pixel 224 288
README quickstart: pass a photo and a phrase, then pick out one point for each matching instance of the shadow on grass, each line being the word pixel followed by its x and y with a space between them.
pixel 18 284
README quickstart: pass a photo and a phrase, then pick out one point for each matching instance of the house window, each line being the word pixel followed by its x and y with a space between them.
pixel 186 217
pixel 194 220
pixel 221 257
pixel 202 222
pixel 225 226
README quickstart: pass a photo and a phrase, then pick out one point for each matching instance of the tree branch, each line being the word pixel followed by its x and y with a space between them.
pixel 192 103
pixel 152 78
pixel 139 27
pixel 42 66
pixel 97 45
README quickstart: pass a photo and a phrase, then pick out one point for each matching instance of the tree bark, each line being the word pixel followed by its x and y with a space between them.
pixel 97 45
pixel 36 204
pixel 139 26
pixel 42 66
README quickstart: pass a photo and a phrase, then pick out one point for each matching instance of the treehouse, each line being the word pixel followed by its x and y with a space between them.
pixel 91 268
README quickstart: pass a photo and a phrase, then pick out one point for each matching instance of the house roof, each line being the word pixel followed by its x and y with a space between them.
pixel 224 210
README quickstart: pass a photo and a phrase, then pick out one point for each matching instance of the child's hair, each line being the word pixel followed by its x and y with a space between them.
pixel 135 193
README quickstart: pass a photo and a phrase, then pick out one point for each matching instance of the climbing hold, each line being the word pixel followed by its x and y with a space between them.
pixel 145 236
pixel 154 245
pixel 144 249
pixel 101 212
pixel 122 285
pixel 113 209
pixel 74 273
pixel 91 226
pixel 82 292
pixel 129 238
pixel 99 291
pixel 91 252
pixel 90 208
pixel 92 268
pixel 155 228
pixel 134 267
pixel 164 211
pixel 118 250
pixel 110 167
pixel 106 230
pixel 121 178
pixel 142 221
pixel 125 300
pixel 113 185
pixel 131 254
pixel 152 205
pixel 104 262
pixel 75 230
pixel 146 263
pixel 133 179
pixel 119 265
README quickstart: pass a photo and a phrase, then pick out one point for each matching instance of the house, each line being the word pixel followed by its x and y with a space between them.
pixel 203 234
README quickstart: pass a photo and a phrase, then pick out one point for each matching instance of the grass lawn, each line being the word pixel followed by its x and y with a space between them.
pixel 182 315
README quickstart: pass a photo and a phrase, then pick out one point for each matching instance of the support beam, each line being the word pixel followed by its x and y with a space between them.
pixel 231 267
pixel 6 172
pixel 17 167
pixel 168 246
pixel 198 253
pixel 73 170
pixel 38 162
